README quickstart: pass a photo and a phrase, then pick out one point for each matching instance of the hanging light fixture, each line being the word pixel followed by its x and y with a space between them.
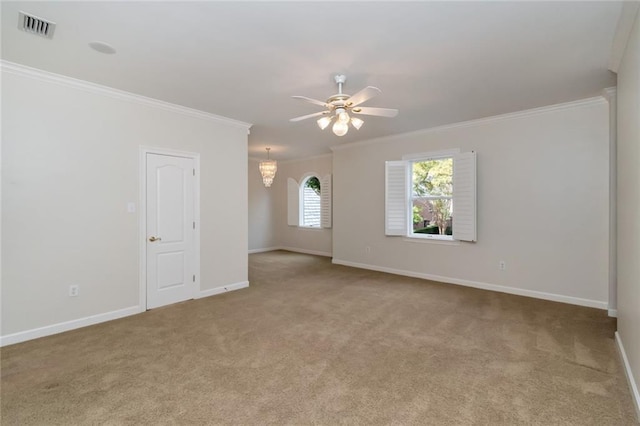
pixel 340 128
pixel 343 110
pixel 268 170
pixel 340 114
pixel 356 122
pixel 324 122
pixel 342 120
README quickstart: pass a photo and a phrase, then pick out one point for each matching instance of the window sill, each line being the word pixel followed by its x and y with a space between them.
pixel 420 240
pixel 311 228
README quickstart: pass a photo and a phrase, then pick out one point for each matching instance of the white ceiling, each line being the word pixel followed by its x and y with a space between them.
pixel 437 62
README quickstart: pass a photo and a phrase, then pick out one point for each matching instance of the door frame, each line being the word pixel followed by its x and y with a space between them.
pixel 142 216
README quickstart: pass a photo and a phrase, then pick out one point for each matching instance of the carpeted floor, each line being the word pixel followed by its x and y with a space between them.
pixel 314 343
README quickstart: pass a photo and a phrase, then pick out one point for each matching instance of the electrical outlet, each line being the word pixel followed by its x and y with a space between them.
pixel 367 249
pixel 73 290
pixel 502 265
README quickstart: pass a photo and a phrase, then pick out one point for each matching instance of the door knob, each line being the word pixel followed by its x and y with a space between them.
pixel 152 239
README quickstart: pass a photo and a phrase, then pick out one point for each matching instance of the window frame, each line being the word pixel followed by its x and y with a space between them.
pixel 326 197
pixel 465 197
pixel 417 158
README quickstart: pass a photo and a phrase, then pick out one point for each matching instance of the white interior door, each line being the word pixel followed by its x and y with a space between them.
pixel 170 197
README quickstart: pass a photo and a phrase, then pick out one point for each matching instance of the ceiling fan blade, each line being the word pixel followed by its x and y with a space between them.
pixel 313 101
pixel 381 112
pixel 304 117
pixel 363 95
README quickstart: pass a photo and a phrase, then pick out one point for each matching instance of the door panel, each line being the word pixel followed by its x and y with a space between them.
pixel 170 269
pixel 170 197
pixel 170 188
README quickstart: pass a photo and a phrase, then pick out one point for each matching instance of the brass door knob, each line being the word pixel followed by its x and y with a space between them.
pixel 152 239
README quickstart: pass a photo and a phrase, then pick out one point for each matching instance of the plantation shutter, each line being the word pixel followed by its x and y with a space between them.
pixel 293 202
pixel 396 197
pixel 464 196
pixel 325 201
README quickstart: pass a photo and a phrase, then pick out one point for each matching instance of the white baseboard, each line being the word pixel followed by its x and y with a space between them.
pixel 262 250
pixel 223 289
pixel 484 286
pixel 49 330
pixel 633 387
pixel 613 313
pixel 305 251
pixel 293 249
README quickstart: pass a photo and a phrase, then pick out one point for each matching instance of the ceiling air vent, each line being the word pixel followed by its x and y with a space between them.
pixel 34 25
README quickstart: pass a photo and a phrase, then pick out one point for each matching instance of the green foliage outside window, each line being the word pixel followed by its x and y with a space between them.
pixel 434 178
pixel 314 184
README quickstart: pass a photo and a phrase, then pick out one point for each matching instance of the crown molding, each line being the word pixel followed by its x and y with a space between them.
pixel 62 80
pixel 598 100
pixel 623 31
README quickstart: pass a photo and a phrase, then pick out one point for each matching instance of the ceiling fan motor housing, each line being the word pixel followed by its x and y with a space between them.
pixel 338 100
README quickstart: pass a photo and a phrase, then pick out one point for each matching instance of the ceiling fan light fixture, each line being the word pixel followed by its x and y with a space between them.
pixel 324 122
pixel 356 122
pixel 340 128
pixel 342 114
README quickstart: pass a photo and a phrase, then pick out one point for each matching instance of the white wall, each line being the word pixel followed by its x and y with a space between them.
pixel 543 194
pixel 262 224
pixel 316 241
pixel 70 165
pixel 628 205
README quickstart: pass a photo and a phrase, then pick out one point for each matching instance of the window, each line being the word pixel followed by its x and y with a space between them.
pixel 309 202
pixel 432 196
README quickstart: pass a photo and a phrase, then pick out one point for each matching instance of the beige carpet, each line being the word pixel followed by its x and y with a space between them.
pixel 314 343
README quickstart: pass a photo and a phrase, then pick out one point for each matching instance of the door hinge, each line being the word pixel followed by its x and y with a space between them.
pixel 194 278
pixel 194 172
pixel 194 225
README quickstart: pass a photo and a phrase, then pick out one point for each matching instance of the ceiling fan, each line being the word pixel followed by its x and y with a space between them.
pixel 340 105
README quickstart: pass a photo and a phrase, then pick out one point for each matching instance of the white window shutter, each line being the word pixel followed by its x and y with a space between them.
pixel 464 196
pixel 325 201
pixel 293 202
pixel 396 197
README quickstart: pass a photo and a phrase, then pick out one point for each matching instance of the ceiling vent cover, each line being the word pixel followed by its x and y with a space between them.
pixel 34 25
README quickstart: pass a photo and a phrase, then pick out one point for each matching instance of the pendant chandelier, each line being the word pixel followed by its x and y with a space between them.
pixel 268 170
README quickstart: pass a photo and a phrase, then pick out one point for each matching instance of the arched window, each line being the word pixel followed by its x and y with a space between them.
pixel 310 213
pixel 309 202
